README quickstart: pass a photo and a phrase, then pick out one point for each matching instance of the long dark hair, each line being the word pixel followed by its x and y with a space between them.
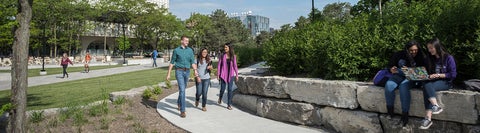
pixel 230 50
pixel 420 54
pixel 440 50
pixel 199 56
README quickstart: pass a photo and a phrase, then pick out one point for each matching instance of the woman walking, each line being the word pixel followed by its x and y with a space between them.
pixel 204 66
pixel 227 71
pixel 64 63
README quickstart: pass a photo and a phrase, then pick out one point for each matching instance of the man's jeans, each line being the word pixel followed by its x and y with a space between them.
pixel 404 89
pixel 154 62
pixel 202 90
pixel 182 79
pixel 430 88
pixel 229 91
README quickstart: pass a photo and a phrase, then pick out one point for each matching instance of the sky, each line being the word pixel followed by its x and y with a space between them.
pixel 280 12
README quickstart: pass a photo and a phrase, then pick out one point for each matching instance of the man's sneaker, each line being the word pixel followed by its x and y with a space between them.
pixel 436 109
pixel 426 124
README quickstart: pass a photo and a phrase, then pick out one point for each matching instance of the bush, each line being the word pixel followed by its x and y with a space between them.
pixel 357 48
pixel 147 94
pixel 157 90
pixel 248 55
pixel 6 108
pixel 37 116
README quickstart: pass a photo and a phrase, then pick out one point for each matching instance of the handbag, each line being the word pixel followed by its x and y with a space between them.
pixel 382 77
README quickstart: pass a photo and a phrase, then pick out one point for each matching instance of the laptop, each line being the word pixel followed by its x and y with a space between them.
pixel 415 73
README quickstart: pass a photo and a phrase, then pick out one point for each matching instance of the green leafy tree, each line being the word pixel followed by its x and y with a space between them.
pixel 123 43
pixel 8 11
pixel 339 11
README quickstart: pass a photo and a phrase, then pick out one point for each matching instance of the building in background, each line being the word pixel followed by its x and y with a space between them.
pixel 255 23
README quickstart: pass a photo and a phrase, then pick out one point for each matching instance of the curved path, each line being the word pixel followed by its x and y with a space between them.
pixel 218 119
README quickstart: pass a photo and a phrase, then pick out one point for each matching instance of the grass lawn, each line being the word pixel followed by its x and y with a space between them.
pixel 52 71
pixel 85 91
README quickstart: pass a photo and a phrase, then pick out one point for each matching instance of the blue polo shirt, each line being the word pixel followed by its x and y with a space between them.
pixel 182 57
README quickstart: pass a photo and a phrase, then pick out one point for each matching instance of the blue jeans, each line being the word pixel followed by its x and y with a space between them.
pixel 202 90
pixel 154 62
pixel 182 79
pixel 229 91
pixel 430 88
pixel 404 88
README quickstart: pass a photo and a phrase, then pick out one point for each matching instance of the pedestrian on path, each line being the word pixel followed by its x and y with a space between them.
pixel 154 57
pixel 64 63
pixel 87 60
pixel 182 59
pixel 202 82
pixel 227 71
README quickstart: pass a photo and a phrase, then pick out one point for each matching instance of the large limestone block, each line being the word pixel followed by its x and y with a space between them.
pixel 126 94
pixel 248 102
pixel 372 98
pixel 459 105
pixel 339 94
pixel 285 110
pixel 393 126
pixel 471 128
pixel 348 121
pixel 264 86
pixel 477 101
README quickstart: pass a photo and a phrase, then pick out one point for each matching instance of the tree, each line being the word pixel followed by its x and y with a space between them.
pixel 121 44
pixel 262 38
pixel 339 12
pixel 8 11
pixel 18 121
pixel 225 30
pixel 200 24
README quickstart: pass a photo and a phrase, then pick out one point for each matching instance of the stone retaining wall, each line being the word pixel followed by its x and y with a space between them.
pixel 346 106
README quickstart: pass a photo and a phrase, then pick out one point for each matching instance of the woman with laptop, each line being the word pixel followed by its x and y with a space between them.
pixel 442 70
pixel 410 56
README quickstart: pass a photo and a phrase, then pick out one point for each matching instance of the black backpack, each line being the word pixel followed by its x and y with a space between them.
pixel 472 84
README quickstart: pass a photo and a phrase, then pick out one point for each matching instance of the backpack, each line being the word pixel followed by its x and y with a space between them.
pixel 382 77
pixel 472 84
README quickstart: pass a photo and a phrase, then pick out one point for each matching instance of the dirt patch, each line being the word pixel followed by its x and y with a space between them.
pixel 135 115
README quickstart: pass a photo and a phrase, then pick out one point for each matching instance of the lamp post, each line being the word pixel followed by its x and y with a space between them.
pixel 43 72
pixel 313 11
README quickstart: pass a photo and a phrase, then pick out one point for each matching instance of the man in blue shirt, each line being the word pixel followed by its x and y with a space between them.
pixel 154 57
pixel 182 59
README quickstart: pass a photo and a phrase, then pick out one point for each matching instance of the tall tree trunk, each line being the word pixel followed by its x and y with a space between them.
pixel 17 122
pixel 55 38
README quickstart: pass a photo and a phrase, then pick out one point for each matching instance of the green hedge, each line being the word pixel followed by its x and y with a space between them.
pixel 248 55
pixel 356 49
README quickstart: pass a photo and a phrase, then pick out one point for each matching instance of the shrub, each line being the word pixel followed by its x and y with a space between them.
pixel 147 94
pixel 120 101
pixel 357 48
pixel 247 55
pixel 168 84
pixel 6 108
pixel 37 116
pixel 157 90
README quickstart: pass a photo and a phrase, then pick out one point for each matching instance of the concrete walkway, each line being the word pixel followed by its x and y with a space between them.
pixel 218 119
pixel 5 78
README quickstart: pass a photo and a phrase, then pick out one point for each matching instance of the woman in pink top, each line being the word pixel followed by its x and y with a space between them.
pixel 227 71
pixel 64 63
